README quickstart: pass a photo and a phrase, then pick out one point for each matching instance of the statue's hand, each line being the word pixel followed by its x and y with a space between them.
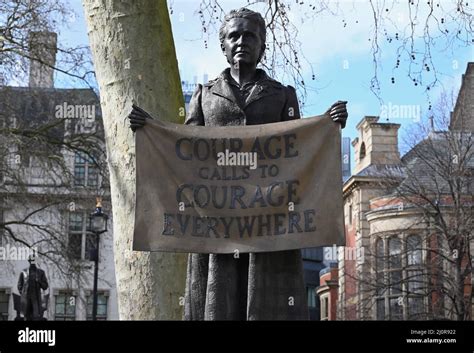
pixel 138 117
pixel 338 112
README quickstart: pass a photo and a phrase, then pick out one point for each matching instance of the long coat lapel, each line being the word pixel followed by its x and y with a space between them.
pixel 222 88
pixel 262 88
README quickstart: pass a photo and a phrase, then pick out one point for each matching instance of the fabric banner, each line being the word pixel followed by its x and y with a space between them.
pixel 251 188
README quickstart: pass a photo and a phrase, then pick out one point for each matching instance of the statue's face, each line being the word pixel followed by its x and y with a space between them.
pixel 242 43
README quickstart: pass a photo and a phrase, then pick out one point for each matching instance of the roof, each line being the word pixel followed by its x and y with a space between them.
pixel 424 162
pixel 420 168
pixel 429 167
pixel 34 107
pixel 462 116
pixel 381 170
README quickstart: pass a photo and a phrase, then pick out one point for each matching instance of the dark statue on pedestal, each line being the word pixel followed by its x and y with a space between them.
pixel 32 304
pixel 255 286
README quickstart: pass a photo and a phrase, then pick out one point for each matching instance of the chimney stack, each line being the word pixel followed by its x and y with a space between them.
pixel 42 49
pixel 377 143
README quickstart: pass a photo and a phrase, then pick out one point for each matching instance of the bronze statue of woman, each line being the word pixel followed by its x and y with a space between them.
pixel 255 286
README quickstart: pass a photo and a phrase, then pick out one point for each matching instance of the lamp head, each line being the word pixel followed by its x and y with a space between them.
pixel 98 205
pixel 32 259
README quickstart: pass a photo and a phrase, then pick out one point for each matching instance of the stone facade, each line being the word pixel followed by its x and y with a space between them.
pixel 48 207
pixel 381 229
pixel 327 292
pixel 462 117
pixel 54 206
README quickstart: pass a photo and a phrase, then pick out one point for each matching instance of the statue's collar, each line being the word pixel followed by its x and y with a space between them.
pixel 260 76
pixel 264 86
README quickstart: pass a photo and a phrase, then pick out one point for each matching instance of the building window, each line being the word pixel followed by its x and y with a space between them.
pixel 415 278
pixel 416 308
pixel 362 151
pixel 380 270
pixel 4 304
pixel 85 170
pixel 76 229
pixel 381 309
pixel 65 306
pixel 395 266
pixel 414 250
pixel 102 299
pixel 81 244
pixel 90 247
pixel 395 312
pixel 311 291
pixel 350 214
pixel 324 308
pixel 399 278
pixel 3 240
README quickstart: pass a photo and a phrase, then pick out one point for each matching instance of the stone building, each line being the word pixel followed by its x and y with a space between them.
pixel 327 292
pixel 398 262
pixel 47 192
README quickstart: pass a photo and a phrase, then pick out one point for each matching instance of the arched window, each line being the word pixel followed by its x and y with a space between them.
pixel 362 151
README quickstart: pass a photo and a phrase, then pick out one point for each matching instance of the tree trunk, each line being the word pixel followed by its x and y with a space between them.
pixel 135 61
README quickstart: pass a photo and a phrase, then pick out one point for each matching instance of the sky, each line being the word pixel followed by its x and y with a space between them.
pixel 338 49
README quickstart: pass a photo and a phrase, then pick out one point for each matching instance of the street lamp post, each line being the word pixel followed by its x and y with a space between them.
pixel 97 225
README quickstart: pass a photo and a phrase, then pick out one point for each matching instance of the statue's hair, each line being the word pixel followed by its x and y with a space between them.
pixel 249 15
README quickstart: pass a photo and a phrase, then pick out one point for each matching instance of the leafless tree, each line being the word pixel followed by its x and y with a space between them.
pixel 38 185
pixel 18 18
pixel 446 24
pixel 37 147
pixel 430 268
